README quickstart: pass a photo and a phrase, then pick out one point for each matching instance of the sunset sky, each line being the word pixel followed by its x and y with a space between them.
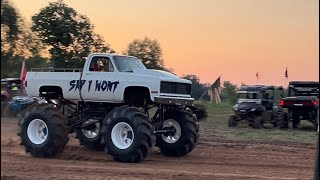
pixel 235 38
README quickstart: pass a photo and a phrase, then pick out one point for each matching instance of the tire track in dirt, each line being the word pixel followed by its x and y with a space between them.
pixel 212 159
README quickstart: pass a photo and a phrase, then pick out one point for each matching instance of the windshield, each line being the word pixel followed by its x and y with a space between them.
pixel 248 95
pixel 127 64
pixel 303 91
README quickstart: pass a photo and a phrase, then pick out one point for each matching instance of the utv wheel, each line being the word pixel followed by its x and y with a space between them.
pixel 3 105
pixel 258 122
pixel 90 137
pixel 7 112
pixel 185 136
pixel 43 131
pixel 127 134
pixel 283 123
pixel 295 122
pixel 278 117
pixel 232 121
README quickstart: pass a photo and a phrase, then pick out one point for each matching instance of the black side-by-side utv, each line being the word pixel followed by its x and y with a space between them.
pixel 257 105
pixel 302 103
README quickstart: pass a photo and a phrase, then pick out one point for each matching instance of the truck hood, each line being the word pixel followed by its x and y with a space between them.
pixel 162 75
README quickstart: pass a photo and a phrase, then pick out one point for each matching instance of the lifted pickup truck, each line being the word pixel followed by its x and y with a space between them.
pixel 110 97
pixel 302 103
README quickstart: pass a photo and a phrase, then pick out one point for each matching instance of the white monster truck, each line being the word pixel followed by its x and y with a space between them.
pixel 110 98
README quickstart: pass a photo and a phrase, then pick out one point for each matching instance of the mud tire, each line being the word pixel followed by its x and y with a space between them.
pixel 189 134
pixel 57 136
pixel 141 129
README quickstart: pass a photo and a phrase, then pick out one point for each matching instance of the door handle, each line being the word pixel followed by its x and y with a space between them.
pixel 88 73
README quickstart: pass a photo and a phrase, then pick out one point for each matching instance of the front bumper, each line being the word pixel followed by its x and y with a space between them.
pixel 174 101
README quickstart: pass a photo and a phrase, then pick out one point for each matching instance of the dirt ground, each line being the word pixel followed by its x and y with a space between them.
pixel 211 159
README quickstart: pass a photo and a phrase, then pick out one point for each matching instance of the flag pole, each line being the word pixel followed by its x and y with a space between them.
pixel 203 95
pixel 23 75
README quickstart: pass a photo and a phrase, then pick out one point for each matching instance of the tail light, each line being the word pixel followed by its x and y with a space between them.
pixel 281 103
pixel 316 102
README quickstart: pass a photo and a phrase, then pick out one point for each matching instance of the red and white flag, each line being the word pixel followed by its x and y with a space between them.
pixel 23 76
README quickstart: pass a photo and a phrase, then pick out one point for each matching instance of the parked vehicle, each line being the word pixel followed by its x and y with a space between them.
pixel 10 87
pixel 18 105
pixel 257 105
pixel 302 103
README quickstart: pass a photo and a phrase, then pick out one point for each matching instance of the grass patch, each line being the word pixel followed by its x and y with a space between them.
pixel 216 126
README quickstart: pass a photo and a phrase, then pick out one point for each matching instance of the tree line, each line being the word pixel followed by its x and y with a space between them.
pixel 60 37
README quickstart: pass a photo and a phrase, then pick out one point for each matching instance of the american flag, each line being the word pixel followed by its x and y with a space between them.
pixel 286 73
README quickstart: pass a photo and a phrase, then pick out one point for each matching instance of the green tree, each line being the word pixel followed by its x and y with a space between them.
pixel 149 51
pixel 228 92
pixel 18 42
pixel 9 27
pixel 9 34
pixel 69 35
pixel 198 89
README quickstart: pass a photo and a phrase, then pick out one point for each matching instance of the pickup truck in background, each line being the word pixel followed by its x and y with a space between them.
pixel 110 99
pixel 302 103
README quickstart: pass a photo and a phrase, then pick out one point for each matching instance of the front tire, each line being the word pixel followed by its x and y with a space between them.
pixel 127 134
pixel 258 122
pixel 232 122
pixel 185 137
pixel 43 131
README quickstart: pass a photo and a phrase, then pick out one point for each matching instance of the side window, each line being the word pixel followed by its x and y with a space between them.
pixel 101 64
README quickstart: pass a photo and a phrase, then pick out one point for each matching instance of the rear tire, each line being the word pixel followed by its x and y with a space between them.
pixel 3 105
pixel 127 134
pixel 284 122
pixel 232 122
pixel 295 121
pixel 7 112
pixel 43 131
pixel 90 138
pixel 278 117
pixel 185 138
pixel 258 122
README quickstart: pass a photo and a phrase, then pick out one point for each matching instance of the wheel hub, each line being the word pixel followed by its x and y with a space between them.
pixel 122 135
pixel 92 130
pixel 169 131
pixel 174 133
pixel 37 131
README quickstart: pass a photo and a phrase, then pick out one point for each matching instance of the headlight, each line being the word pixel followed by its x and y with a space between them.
pixel 235 108
pixel 253 109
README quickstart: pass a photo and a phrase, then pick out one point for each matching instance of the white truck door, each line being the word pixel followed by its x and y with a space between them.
pixel 98 81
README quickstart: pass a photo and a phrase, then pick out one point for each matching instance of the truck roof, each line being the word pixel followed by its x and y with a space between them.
pixel 109 54
pixel 258 88
pixel 311 83
pixel 14 80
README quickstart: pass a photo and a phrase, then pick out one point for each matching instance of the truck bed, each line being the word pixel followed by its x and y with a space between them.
pixel 56 70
